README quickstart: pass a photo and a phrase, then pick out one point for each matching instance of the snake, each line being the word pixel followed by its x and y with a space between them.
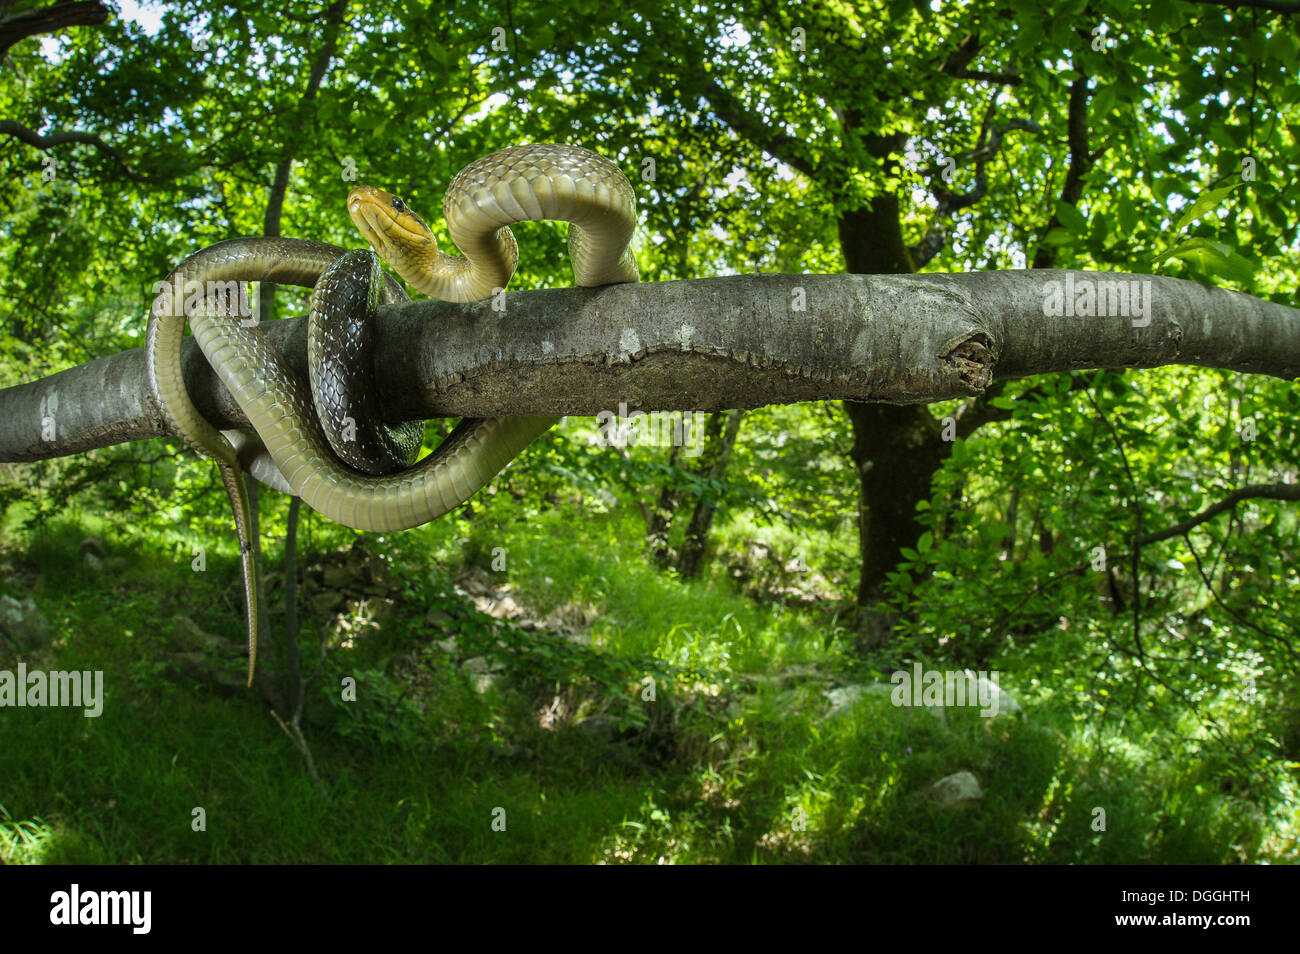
pixel 324 440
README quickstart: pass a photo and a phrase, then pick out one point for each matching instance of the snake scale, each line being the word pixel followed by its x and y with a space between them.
pixel 327 443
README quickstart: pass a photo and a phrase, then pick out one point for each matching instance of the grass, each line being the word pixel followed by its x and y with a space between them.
pixel 737 758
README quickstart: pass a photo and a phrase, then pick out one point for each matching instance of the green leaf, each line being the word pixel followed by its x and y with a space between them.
pixel 1128 217
pixel 1204 203
pixel 1213 258
pixel 1071 218
pixel 1103 101
pixel 1100 228
pixel 1283 45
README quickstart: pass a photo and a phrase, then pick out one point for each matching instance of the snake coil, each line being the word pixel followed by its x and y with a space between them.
pixel 327 444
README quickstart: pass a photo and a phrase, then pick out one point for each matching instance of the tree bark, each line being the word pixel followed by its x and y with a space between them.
pixel 701 345
pixel 721 441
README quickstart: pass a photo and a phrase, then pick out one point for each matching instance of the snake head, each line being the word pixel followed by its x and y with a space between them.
pixel 397 234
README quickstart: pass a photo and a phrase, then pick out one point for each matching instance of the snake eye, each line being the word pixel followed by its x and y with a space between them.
pixel 399 206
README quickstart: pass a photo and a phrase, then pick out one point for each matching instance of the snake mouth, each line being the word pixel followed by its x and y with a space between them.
pixel 387 223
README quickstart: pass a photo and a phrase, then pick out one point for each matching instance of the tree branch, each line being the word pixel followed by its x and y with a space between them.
pixel 962 55
pixel 978 412
pixel 702 345
pixel 1264 491
pixel 9 127
pixel 778 145
pixel 987 146
pixel 59 16
pixel 1080 163
pixel 280 182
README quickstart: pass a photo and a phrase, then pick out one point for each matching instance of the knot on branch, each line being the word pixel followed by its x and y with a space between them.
pixel 972 359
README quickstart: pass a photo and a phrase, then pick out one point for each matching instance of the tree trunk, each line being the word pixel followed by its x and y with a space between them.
pixel 896 450
pixel 717 454
pixel 661 516
pixel 1013 509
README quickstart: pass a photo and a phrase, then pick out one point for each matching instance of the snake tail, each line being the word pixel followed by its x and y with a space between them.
pixel 232 479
